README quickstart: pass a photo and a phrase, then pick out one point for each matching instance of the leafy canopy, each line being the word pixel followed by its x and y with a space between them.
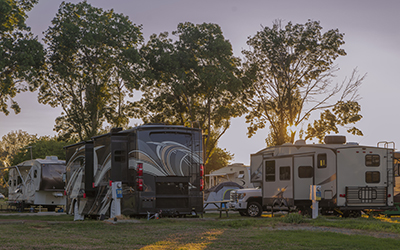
pixel 92 65
pixel 290 70
pixel 21 55
pixel 192 81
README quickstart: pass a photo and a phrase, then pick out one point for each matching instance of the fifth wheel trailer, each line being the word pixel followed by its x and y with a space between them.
pixel 144 170
pixel 352 177
pixel 37 182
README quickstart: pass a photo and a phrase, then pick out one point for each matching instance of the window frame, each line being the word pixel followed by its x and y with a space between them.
pixel 370 175
pixel 324 158
pixel 284 174
pixel 300 172
pixel 271 174
pixel 373 162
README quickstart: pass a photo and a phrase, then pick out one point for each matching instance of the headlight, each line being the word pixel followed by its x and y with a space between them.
pixel 241 196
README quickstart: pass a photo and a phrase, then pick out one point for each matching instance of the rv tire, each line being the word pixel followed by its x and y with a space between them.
pixel 254 209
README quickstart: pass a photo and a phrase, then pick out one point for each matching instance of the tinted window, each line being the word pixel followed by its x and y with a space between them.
pixel 321 158
pixel 372 160
pixel 270 171
pixel 306 172
pixel 372 177
pixel 284 173
pixel 182 138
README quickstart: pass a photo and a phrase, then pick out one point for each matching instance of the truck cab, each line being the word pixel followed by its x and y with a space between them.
pixel 248 201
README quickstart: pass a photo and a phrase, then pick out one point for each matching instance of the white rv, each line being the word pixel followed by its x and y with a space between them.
pixel 37 182
pixel 236 172
pixel 352 177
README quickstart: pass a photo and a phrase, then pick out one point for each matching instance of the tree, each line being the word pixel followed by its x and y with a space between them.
pixel 42 147
pixel 92 64
pixel 291 70
pixel 220 158
pixel 21 55
pixel 193 81
pixel 10 145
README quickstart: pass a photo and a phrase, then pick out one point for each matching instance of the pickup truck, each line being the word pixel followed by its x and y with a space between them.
pixel 247 201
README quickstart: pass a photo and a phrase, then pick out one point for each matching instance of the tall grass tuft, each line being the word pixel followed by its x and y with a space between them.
pixel 293 218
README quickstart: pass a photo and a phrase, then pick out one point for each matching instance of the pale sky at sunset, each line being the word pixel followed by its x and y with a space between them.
pixel 372 36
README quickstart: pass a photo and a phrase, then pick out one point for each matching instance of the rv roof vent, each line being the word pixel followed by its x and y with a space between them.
pixel 52 158
pixel 352 143
pixel 300 142
pixel 335 139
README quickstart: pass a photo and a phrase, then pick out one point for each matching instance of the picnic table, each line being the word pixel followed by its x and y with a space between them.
pixel 221 206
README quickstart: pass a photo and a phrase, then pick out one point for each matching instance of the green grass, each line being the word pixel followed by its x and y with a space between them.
pixel 211 232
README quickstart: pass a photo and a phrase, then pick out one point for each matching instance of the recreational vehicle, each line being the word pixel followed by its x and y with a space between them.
pixel 351 177
pixel 145 170
pixel 236 172
pixel 37 182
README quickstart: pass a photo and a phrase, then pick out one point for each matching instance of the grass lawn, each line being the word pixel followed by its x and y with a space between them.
pixel 211 232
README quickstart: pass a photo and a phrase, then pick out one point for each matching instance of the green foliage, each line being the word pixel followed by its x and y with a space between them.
pixel 21 55
pixel 293 218
pixel 219 158
pixel 290 70
pixel 12 143
pixel 92 65
pixel 192 81
pixel 42 147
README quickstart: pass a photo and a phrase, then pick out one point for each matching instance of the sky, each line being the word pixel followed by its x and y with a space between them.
pixel 372 39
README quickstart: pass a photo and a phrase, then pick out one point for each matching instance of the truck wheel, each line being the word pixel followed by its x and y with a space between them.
pixel 243 212
pixel 254 209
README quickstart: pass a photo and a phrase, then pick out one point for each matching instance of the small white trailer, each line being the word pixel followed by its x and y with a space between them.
pixel 236 172
pixel 352 177
pixel 37 182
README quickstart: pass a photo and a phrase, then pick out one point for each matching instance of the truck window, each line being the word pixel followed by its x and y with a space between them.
pixel 270 171
pixel 372 160
pixel 321 158
pixel 306 172
pixel 284 173
pixel 372 177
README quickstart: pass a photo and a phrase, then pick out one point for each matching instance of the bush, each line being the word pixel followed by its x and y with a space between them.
pixel 293 218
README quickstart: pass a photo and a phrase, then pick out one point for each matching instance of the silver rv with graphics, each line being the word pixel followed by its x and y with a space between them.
pixel 37 182
pixel 352 177
pixel 145 170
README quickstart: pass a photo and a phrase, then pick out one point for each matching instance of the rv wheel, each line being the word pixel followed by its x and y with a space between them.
pixel 254 209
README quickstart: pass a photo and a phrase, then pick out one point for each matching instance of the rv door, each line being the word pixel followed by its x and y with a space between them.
pixel 303 176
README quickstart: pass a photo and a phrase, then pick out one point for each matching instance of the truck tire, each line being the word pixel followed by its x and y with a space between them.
pixel 254 209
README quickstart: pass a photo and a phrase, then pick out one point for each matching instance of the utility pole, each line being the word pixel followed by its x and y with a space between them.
pixel 31 151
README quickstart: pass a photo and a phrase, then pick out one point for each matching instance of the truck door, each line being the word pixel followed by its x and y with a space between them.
pixel 303 176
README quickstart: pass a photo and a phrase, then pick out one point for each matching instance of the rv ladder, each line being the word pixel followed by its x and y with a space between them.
pixel 389 160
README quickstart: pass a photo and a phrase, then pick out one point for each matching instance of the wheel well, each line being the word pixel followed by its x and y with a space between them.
pixel 255 199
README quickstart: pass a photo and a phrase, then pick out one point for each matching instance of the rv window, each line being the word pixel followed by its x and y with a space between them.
pixel 270 171
pixel 321 158
pixel 306 172
pixel 372 160
pixel 372 177
pixel 284 173
pixel 19 181
pixel 15 182
pixel 35 173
